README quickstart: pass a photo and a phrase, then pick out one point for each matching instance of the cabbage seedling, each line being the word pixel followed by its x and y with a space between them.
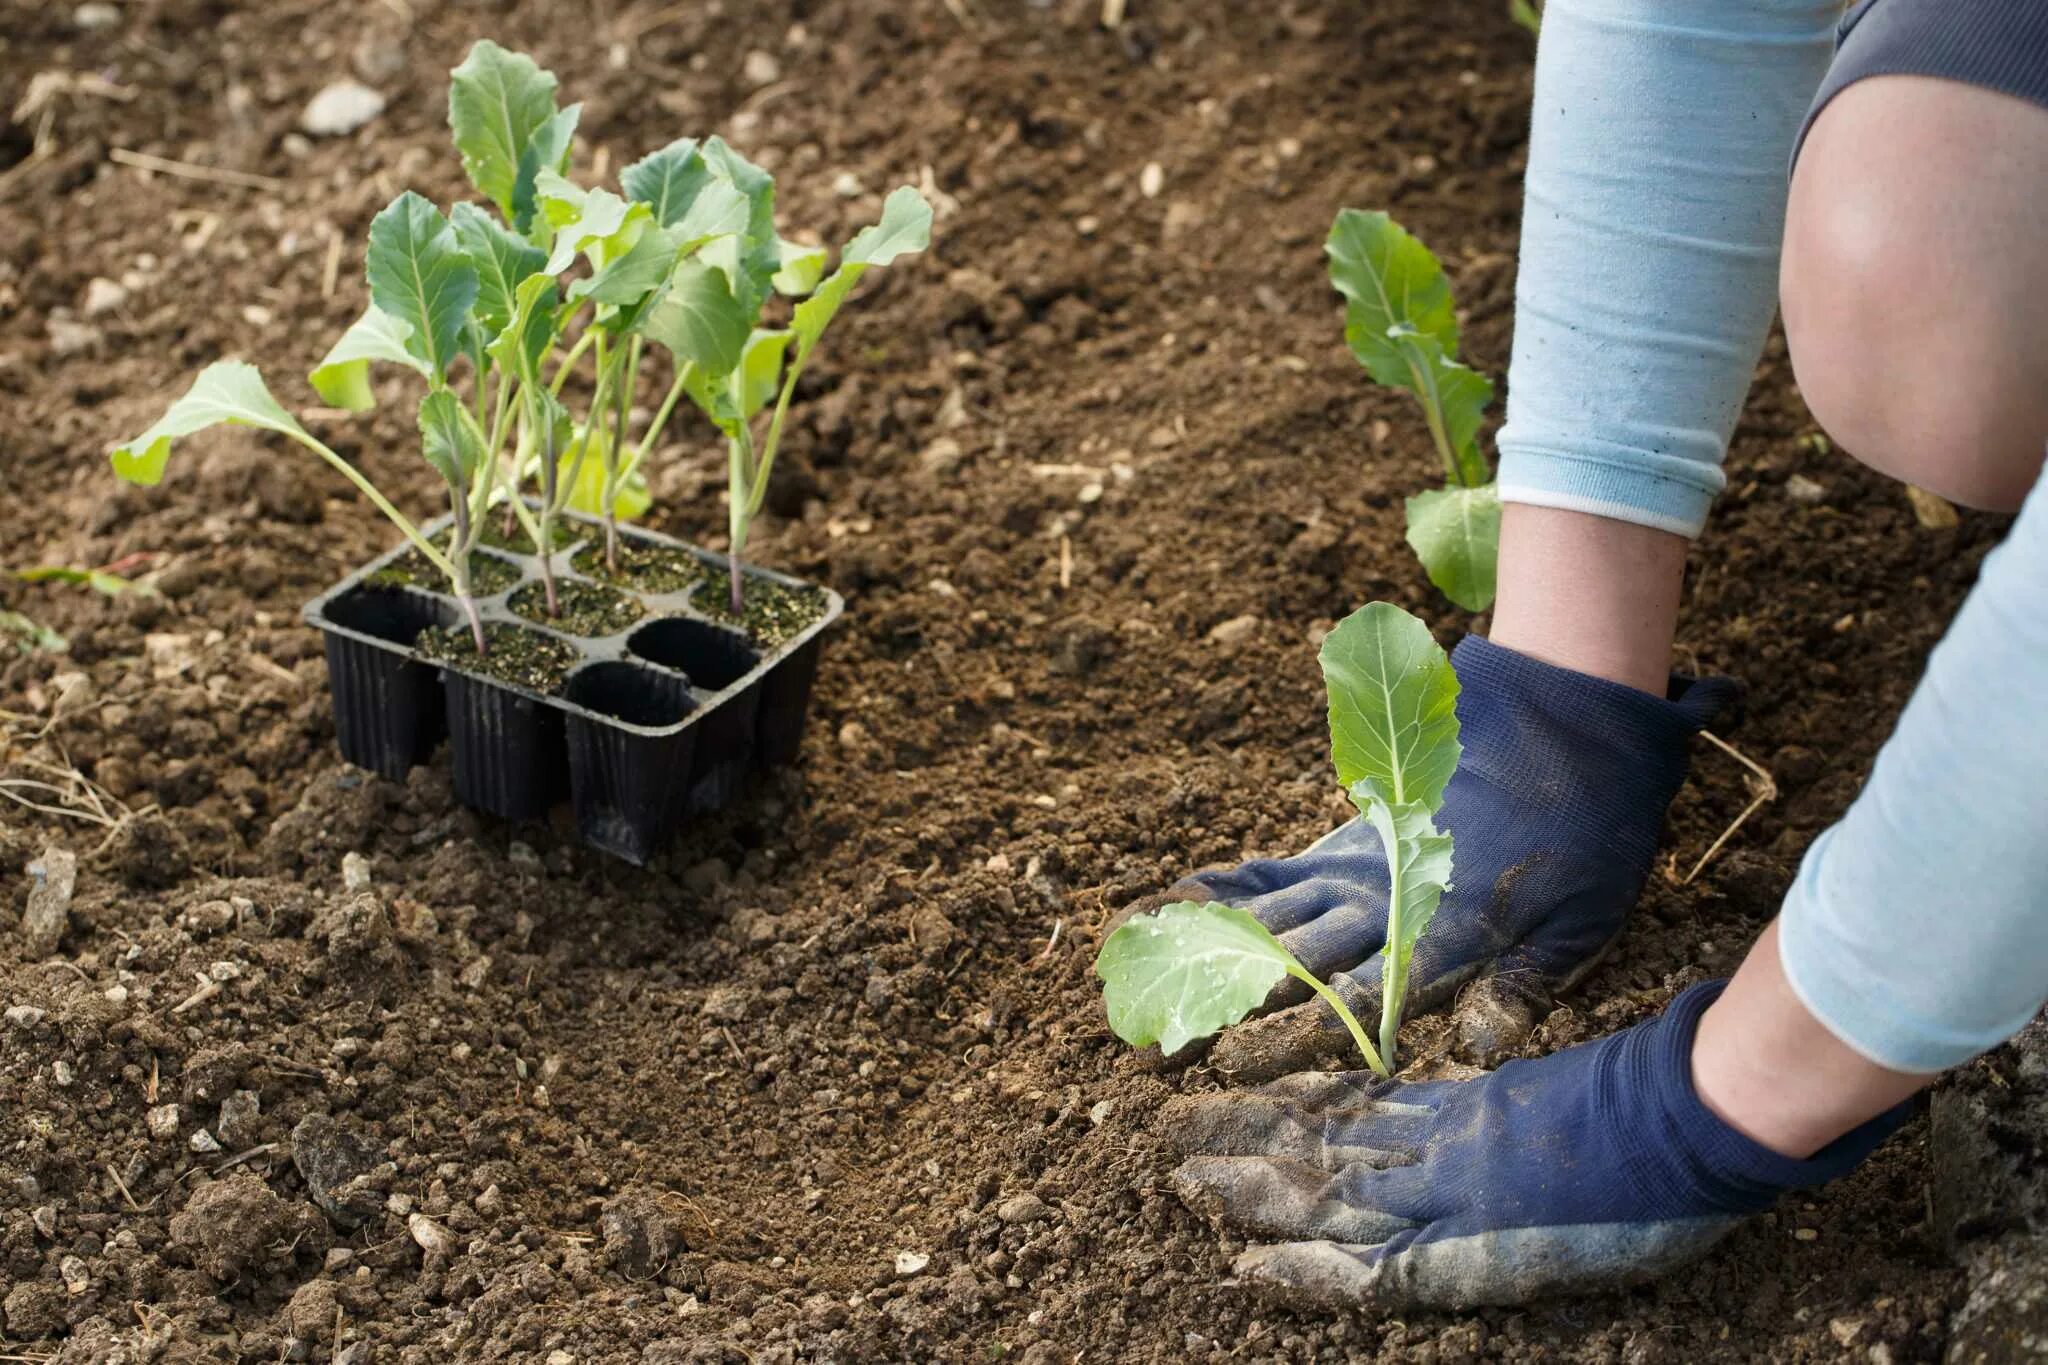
pixel 1399 323
pixel 1190 970
pixel 729 365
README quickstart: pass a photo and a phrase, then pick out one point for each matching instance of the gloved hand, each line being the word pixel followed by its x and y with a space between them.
pixel 1591 1168
pixel 1555 808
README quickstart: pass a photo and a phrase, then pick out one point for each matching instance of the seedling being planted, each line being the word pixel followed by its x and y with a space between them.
pixel 1399 323
pixel 1190 970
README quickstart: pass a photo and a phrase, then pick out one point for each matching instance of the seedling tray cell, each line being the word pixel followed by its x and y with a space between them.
pixel 668 717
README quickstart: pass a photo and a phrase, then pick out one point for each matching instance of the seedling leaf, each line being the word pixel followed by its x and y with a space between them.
pixel 503 259
pixel 1186 972
pixel 342 379
pixel 547 151
pixel 799 268
pixel 29 636
pixel 518 348
pixel 668 181
pixel 906 226
pixel 448 440
pixel 99 580
pixel 497 101
pixel 1456 533
pixel 699 319
pixel 586 494
pixel 227 392
pixel 596 222
pixel 420 275
pixel 1388 280
pixel 1393 705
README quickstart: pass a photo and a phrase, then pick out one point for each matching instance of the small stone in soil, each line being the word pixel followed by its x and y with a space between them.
pixel 49 901
pixel 650 568
pixel 523 658
pixel 589 609
pixel 770 612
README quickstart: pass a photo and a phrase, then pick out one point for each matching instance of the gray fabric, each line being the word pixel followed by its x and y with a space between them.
pixel 1997 45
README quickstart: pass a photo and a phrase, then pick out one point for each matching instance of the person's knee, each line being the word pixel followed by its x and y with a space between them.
pixel 1906 285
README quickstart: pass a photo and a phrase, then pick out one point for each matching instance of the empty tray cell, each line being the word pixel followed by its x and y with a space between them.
pixel 714 658
pixel 629 785
pixel 387 704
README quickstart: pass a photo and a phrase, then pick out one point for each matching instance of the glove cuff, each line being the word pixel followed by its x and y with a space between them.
pixel 1719 1166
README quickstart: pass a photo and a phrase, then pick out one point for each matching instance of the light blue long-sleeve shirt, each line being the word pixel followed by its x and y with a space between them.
pixel 1917 930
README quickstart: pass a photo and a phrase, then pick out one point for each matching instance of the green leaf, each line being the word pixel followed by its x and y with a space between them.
pixel 99 580
pixel 342 379
pixel 227 392
pixel 526 339
pixel 668 181
pixel 420 275
pixel 628 278
pixel 1418 859
pixel 448 440
pixel 595 222
pixel 760 371
pixel 751 259
pixel 699 319
pixel 1393 705
pixel 548 150
pixel 586 495
pixel 29 636
pixel 905 227
pixel 1187 971
pixel 497 101
pixel 1388 280
pixel 798 268
pixel 503 259
pixel 1457 394
pixel 1456 534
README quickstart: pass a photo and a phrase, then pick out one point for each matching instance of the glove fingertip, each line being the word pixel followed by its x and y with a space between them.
pixel 1707 701
pixel 1316 1274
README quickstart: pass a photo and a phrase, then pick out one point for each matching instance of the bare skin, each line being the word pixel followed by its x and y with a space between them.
pixel 1912 273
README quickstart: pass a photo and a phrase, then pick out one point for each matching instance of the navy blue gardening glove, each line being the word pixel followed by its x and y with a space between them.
pixel 1591 1168
pixel 1555 810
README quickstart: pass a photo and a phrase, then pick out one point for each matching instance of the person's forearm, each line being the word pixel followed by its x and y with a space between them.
pixel 1773 1072
pixel 1655 200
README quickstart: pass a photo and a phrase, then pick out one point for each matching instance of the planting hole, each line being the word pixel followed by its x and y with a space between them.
pixel 713 656
pixel 630 693
pixel 388 613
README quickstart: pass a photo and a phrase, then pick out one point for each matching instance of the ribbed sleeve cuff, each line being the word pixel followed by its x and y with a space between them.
pixel 1664 492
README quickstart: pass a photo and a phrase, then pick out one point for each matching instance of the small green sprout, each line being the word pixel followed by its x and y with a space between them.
pixel 1399 323
pixel 1190 970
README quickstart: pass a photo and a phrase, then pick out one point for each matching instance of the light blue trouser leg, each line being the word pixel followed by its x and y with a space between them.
pixel 1655 202
pixel 1918 928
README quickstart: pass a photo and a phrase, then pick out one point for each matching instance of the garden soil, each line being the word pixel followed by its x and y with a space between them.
pixel 316 1065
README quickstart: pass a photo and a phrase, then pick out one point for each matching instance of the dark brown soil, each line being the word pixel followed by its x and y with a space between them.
pixel 486 1095
pixel 769 614
pixel 488 574
pixel 585 608
pixel 648 568
pixel 512 654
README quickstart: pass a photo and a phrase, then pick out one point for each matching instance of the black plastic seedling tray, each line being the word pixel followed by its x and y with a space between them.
pixel 664 719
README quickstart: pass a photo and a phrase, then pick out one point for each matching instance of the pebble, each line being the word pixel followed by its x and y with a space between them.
pixel 163 1122
pixel 339 108
pixel 761 68
pixel 45 1220
pixel 847 185
pixel 24 1016
pixel 355 872
pixel 1803 490
pixel 103 296
pixel 62 1072
pixel 1151 180
pixel 1234 631
pixel 203 1142
pixel 49 900
pixel 1023 1208
pixel 69 338
pixel 910 1263
pixel 432 1238
pixel 76 1278
pixel 95 15
pixel 240 1115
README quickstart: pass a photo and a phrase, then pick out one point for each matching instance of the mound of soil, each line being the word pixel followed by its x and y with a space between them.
pixel 317 1066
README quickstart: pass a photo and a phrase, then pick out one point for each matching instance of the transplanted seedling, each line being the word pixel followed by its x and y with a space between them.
pixel 1190 970
pixel 1399 323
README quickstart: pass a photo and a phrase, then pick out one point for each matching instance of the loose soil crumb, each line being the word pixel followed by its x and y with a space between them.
pixel 696 1111
pixel 488 574
pixel 524 658
pixel 589 609
pixel 771 612
pixel 642 567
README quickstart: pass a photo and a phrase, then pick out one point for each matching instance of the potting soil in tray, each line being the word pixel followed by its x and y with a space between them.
pixel 641 701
